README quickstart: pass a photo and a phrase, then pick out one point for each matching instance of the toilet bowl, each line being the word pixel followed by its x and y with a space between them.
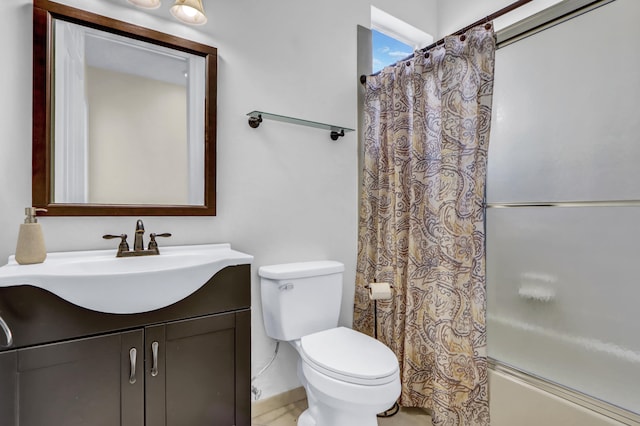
pixel 348 376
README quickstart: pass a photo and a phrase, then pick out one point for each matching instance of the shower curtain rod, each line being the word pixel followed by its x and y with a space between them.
pixel 488 18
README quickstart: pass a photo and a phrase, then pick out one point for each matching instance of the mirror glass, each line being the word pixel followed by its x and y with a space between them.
pixel 121 120
pixel 128 125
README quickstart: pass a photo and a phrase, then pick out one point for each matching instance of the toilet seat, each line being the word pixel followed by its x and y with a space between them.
pixel 349 356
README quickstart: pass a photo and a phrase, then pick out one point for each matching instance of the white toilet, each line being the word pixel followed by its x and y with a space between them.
pixel 349 377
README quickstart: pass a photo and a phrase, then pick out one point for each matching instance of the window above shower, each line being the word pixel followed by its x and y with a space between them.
pixel 387 50
pixel 393 39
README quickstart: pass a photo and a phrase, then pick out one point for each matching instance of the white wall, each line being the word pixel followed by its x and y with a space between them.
pixel 285 193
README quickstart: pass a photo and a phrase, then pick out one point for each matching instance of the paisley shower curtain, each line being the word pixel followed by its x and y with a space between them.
pixel 421 225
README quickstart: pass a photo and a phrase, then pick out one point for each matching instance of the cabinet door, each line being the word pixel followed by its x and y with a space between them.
pixel 194 384
pixel 8 387
pixel 82 382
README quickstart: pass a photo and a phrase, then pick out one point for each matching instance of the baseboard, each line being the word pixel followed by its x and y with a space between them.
pixel 262 406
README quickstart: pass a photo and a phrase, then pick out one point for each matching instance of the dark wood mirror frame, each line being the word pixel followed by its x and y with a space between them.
pixel 43 13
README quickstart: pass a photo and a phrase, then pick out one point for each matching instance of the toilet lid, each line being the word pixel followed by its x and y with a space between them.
pixel 349 354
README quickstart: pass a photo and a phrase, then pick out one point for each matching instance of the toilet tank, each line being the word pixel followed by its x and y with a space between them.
pixel 300 298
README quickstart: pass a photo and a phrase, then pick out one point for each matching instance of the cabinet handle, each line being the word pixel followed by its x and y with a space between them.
pixel 132 358
pixel 7 332
pixel 154 365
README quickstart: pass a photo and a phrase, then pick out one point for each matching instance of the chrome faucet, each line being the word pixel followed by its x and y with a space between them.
pixel 138 242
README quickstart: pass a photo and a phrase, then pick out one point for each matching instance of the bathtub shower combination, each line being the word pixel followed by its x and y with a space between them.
pixel 562 210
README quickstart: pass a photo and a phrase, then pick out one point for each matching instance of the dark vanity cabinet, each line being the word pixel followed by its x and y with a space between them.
pixel 195 379
pixel 8 382
pixel 184 365
pixel 79 382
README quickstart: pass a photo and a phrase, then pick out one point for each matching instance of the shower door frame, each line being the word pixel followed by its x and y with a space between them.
pixel 541 21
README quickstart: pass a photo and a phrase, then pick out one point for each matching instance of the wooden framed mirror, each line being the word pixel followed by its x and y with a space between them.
pixel 124 118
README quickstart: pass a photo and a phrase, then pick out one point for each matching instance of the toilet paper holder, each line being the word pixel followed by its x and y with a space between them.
pixel 380 290
pixel 369 285
pixel 393 410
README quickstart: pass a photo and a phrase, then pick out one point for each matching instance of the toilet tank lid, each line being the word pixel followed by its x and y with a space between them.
pixel 300 269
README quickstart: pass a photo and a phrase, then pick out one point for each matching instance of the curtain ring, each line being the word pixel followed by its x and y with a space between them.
pixel 463 37
pixel 426 55
pixel 487 26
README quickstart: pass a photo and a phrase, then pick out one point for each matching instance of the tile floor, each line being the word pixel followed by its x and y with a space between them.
pixel 288 416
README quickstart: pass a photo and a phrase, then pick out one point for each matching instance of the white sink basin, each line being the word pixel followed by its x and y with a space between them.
pixel 99 281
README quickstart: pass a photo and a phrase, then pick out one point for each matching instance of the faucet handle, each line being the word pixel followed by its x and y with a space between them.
pixel 109 236
pixel 153 245
pixel 124 246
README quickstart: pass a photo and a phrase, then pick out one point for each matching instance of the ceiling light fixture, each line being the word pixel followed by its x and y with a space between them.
pixel 189 11
pixel 145 4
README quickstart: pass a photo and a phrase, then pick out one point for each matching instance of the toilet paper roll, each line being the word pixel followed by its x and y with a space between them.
pixel 378 291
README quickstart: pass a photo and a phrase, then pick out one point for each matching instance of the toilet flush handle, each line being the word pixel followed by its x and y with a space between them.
pixel 285 287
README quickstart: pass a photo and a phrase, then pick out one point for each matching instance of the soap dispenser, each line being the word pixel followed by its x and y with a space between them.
pixel 30 248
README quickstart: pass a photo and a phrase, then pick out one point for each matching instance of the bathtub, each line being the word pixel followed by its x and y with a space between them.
pixel 589 366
